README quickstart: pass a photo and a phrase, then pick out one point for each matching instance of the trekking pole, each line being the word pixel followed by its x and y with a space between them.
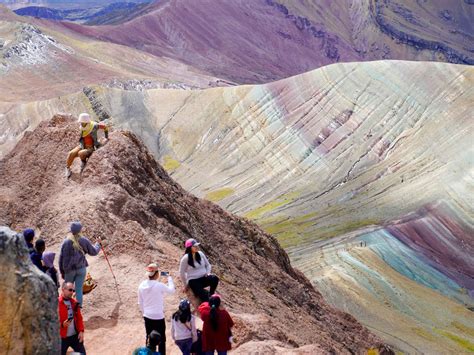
pixel 110 267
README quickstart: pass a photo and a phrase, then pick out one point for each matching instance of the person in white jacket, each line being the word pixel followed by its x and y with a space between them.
pixel 151 294
pixel 183 327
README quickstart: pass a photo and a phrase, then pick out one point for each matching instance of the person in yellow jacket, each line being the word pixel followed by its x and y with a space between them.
pixel 88 142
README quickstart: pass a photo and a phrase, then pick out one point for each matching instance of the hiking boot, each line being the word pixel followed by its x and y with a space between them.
pixel 68 172
pixel 83 165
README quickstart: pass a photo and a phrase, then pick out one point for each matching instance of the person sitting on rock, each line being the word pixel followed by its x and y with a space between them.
pixel 151 294
pixel 29 235
pixel 216 328
pixel 50 270
pixel 195 271
pixel 71 325
pixel 37 255
pixel 183 327
pixel 72 259
pixel 88 141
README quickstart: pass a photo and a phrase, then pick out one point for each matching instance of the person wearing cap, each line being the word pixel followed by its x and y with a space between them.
pixel 195 271
pixel 183 327
pixel 72 258
pixel 88 141
pixel 29 235
pixel 151 295
pixel 216 327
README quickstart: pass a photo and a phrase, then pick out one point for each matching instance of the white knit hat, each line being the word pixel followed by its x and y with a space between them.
pixel 84 118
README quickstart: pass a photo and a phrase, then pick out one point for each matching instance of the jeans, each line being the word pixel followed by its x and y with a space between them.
pixel 77 276
pixel 197 285
pixel 73 342
pixel 218 352
pixel 160 326
pixel 185 345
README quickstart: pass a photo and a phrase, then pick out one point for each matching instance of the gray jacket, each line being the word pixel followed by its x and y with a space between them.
pixel 71 259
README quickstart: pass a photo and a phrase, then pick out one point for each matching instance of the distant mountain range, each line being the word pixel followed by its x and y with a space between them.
pixel 98 15
pixel 60 4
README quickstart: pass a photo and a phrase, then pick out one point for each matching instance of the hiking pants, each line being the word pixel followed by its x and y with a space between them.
pixel 185 345
pixel 78 152
pixel 197 285
pixel 77 276
pixel 160 326
pixel 73 342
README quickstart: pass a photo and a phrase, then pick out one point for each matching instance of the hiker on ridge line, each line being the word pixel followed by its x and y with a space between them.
pixel 88 142
pixel 195 271
pixel 72 258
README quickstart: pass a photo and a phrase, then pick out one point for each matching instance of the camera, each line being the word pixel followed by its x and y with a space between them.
pixel 164 273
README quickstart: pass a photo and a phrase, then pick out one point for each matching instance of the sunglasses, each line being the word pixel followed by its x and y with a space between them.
pixel 71 290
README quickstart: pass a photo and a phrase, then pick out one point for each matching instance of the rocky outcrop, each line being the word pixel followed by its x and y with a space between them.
pixel 28 301
pixel 126 197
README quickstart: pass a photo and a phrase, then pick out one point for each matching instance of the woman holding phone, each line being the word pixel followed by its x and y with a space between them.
pixel 195 271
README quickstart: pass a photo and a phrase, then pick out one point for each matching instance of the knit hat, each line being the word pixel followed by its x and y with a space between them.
pixel 48 259
pixel 84 118
pixel 151 269
pixel 29 234
pixel 76 227
pixel 191 243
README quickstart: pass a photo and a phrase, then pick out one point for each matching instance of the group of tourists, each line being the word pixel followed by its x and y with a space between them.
pixel 194 271
pixel 73 268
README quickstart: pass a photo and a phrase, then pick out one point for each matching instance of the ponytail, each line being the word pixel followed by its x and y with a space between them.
pixel 214 302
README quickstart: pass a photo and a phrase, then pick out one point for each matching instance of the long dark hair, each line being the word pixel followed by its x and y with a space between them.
pixel 214 302
pixel 183 314
pixel 190 257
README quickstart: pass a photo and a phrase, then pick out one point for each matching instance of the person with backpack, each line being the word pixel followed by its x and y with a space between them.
pixel 29 235
pixel 195 271
pixel 183 327
pixel 88 141
pixel 216 329
pixel 37 255
pixel 151 294
pixel 71 324
pixel 72 258
pixel 50 270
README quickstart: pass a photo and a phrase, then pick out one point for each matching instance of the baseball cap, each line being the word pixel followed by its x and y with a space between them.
pixel 191 243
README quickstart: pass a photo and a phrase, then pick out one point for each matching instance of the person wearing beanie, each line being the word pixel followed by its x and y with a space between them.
pixel 29 235
pixel 151 295
pixel 88 141
pixel 216 328
pixel 50 270
pixel 72 258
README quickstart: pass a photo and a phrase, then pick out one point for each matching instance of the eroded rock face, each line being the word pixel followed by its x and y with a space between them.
pixel 28 301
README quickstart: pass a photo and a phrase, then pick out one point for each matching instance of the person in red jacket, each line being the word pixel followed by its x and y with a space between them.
pixel 216 329
pixel 71 325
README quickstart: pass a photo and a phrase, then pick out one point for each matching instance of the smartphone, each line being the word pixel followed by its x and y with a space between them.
pixel 165 273
pixel 70 319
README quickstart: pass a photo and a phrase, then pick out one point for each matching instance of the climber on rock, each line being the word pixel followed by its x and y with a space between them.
pixel 88 141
